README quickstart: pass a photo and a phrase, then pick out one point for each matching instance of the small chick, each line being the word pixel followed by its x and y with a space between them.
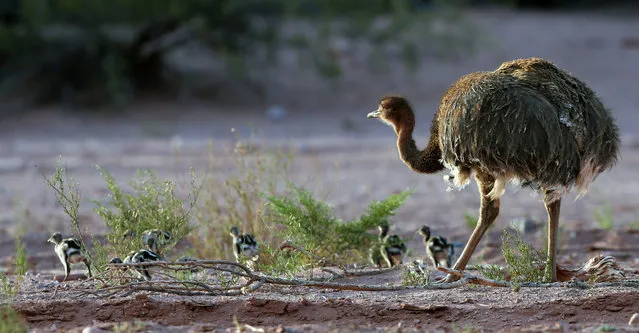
pixel 69 250
pixel 136 257
pixel 155 239
pixel 392 249
pixel 438 249
pixel 116 260
pixel 244 245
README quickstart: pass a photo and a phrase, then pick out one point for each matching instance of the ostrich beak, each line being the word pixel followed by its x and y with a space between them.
pixel 374 114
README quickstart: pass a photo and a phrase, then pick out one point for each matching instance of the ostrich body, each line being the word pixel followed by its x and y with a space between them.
pixel 438 250
pixel 69 251
pixel 392 248
pixel 526 122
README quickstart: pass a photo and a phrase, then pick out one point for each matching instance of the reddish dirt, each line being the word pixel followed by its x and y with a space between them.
pixel 485 308
pixel 352 160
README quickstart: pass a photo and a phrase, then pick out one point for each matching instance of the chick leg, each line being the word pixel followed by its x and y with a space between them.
pixel 88 264
pixel 67 270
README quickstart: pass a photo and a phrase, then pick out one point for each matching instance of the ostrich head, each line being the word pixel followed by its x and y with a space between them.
pixel 395 111
pixel 56 238
pixel 424 231
pixel 383 229
pixel 115 260
pixel 235 231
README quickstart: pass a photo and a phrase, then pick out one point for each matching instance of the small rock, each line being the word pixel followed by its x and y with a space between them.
pixel 634 320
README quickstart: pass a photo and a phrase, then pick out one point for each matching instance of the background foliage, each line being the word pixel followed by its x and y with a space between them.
pixel 93 52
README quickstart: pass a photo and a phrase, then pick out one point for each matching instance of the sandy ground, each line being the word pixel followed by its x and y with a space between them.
pixel 351 160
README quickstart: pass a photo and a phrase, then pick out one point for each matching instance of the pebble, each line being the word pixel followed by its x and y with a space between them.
pixel 634 320
pixel 91 329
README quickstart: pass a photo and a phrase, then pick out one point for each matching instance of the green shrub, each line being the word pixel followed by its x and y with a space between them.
pixel 308 223
pixel 152 204
pixel 418 276
pixel 525 263
pixel 491 271
pixel 11 321
pixel 67 194
pixel 237 198
pixel 109 51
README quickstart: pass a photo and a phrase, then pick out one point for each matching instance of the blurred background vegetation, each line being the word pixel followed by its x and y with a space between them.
pixel 110 52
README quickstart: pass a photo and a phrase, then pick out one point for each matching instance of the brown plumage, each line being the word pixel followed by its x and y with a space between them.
pixel 526 122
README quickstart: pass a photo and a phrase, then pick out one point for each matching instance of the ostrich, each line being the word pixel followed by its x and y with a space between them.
pixel 392 248
pixel 137 257
pixel 438 250
pixel 155 239
pixel 244 245
pixel 526 122
pixel 69 251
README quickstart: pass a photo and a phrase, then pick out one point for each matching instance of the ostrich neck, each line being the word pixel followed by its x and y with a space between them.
pixel 423 161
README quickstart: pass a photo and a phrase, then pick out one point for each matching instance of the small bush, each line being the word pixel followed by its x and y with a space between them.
pixel 238 199
pixel 606 328
pixel 418 275
pixel 21 213
pixel 9 289
pixel 67 193
pixel 493 272
pixel 525 264
pixel 153 204
pixel 312 225
pixel 11 321
pixel 276 261
pixel 129 327
pixel 20 260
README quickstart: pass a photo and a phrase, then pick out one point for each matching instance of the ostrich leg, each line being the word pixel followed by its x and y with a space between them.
pixel 553 208
pixel 488 212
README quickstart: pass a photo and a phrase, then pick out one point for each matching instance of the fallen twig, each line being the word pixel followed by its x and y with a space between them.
pixel 252 281
pixel 358 273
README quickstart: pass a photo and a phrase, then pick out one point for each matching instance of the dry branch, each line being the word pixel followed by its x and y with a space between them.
pixel 252 281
